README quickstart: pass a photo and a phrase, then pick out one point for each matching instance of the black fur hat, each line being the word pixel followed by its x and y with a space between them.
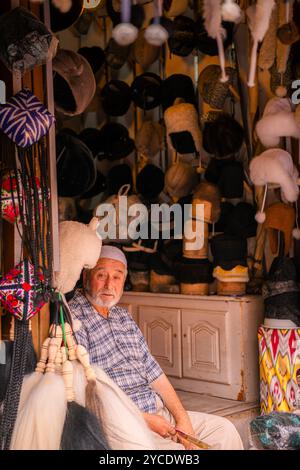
pixel 193 271
pixel 91 137
pixel 94 55
pixel 229 251
pixel 115 142
pixel 116 98
pixel 222 137
pixel 146 90
pixel 150 181
pixel 117 176
pixel 228 175
pixel 183 39
pixel 175 86
pixel 208 45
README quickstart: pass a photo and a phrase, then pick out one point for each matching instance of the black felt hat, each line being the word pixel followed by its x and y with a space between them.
pixel 117 176
pixel 115 142
pixel 222 137
pixel 228 175
pixel 281 292
pixel 150 181
pixel 76 169
pixel 94 55
pixel 241 221
pixel 60 19
pixel 229 251
pixel 115 55
pixel 193 271
pixel 208 45
pixel 99 187
pixel 146 90
pixel 91 137
pixel 176 86
pixel 116 98
pixel 137 14
pixel 183 39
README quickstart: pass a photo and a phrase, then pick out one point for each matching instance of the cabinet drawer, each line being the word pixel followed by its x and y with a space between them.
pixel 206 352
pixel 161 329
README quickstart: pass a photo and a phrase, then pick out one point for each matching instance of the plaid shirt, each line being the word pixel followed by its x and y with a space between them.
pixel 117 345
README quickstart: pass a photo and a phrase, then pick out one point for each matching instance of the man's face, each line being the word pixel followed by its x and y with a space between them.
pixel 105 282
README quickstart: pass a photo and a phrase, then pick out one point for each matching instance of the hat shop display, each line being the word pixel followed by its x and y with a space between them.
pixel 116 98
pixel 117 176
pixel 146 91
pixel 176 86
pixel 114 142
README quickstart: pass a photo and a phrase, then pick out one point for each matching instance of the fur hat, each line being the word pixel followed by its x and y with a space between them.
pixel 280 217
pixel 94 55
pixel 149 139
pixel 116 55
pixel 74 82
pixel 146 90
pixel 209 192
pixel 222 137
pixel 241 221
pixel 176 86
pixel 150 182
pixel 183 39
pixel 25 41
pixel 180 179
pixel 115 142
pixel 277 121
pixel 61 20
pixel 208 45
pixel 229 251
pixel 193 271
pixel 281 290
pixel 76 169
pixel 144 54
pixel 91 137
pixel 116 98
pixel 228 175
pixel 211 89
pixel 183 130
pixel 117 176
pixel 174 7
pixel 275 166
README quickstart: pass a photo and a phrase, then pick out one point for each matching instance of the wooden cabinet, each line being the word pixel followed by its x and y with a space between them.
pixel 205 344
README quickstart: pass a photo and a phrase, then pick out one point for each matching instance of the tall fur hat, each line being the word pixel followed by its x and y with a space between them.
pixel 275 166
pixel 149 139
pixel 222 137
pixel 74 82
pixel 183 130
pixel 180 180
pixel 277 121
pixel 176 86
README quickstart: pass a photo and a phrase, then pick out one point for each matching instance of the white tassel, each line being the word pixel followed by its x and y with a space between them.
pixel 260 217
pixel 125 33
pixel 231 11
pixel 258 24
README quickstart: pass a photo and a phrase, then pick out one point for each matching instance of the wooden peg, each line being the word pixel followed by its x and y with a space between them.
pixel 58 361
pixel 70 342
pixel 67 372
pixel 84 358
pixel 63 354
pixel 40 367
pixel 50 367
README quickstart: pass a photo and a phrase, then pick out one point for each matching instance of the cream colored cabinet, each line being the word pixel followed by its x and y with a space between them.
pixel 205 344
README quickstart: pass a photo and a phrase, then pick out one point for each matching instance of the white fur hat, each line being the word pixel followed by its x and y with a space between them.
pixel 275 166
pixel 181 118
pixel 277 121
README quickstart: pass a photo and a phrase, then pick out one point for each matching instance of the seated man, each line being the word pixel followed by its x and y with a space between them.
pixel 116 344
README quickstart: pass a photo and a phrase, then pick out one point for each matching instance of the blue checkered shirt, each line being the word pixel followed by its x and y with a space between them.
pixel 117 345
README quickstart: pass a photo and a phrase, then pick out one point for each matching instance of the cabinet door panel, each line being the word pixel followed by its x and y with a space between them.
pixel 206 352
pixel 161 329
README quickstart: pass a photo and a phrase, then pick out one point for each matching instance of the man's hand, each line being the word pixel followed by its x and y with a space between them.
pixel 159 425
pixel 186 426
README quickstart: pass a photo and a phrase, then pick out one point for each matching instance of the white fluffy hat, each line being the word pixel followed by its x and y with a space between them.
pixel 183 117
pixel 277 121
pixel 275 166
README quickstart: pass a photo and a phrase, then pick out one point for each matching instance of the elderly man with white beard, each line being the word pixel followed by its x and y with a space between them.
pixel 116 344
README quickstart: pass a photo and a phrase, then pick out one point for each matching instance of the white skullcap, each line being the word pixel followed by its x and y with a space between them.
pixel 112 252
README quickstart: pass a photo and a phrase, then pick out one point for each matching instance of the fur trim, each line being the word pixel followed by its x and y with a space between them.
pixel 276 166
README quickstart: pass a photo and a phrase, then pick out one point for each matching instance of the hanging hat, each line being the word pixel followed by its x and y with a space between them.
pixel 118 176
pixel 281 290
pixel 61 19
pixel 150 182
pixel 182 41
pixel 279 217
pixel 222 137
pixel 144 54
pixel 116 98
pixel 176 86
pixel 76 169
pixel 146 90
pixel 229 251
pixel 228 175
pixel 277 121
pixel 193 271
pixel 174 7
pixel 221 224
pixel 149 138
pixel 116 55
pixel 208 45
pixel 183 130
pixel 99 187
pixel 275 166
pixel 82 25
pixel 25 41
pixel 74 82
pixel 94 55
pixel 91 137
pixel 241 221
pixel 211 89
pixel 209 192
pixel 115 142
pixel 180 179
